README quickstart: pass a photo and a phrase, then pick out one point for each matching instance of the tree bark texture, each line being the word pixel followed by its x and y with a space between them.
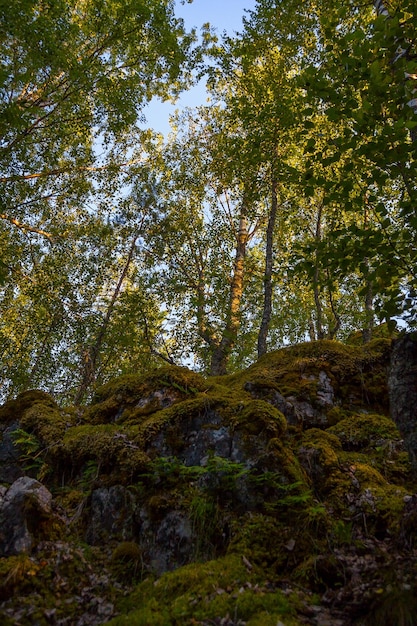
pixel 316 278
pixel 222 350
pixel 369 313
pixel 269 249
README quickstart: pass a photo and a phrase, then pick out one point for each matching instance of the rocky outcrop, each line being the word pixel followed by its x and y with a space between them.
pixel 10 467
pixel 402 386
pixel 235 500
pixel 313 385
pixel 110 513
pixel 24 508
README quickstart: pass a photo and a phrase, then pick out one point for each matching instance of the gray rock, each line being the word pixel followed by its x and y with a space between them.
pixel 161 398
pixel 268 394
pixel 402 388
pixel 298 411
pixel 24 505
pixel 169 543
pixel 325 391
pixel 110 514
pixel 10 469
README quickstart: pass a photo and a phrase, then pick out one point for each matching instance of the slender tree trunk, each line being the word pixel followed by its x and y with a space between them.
pixel 93 351
pixel 267 308
pixel 369 313
pixel 311 329
pixel 205 330
pixel 316 278
pixel 337 321
pixel 369 296
pixel 222 350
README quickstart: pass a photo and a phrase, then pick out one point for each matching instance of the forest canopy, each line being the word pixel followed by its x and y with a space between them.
pixel 283 210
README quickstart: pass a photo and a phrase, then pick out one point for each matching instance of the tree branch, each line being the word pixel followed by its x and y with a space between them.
pixel 26 227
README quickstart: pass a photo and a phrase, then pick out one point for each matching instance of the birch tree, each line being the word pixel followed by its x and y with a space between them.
pixel 74 79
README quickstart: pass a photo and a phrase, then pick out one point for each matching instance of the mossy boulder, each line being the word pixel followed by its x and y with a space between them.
pixel 366 432
pixel 309 382
pixel 26 516
pixel 103 449
pixel 133 397
pixel 31 434
pixel 14 409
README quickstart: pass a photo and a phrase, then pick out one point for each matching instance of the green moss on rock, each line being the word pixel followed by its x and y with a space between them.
pixel 357 373
pixel 139 396
pixel 258 417
pixel 364 431
pixel 205 591
pixel 13 410
pixel 127 562
pixel 112 447
pixel 47 422
pixel 381 506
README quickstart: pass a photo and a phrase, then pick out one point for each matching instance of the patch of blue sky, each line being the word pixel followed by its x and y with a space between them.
pixel 225 16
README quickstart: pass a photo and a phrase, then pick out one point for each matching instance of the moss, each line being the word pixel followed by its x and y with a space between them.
pixel 364 431
pixel 249 417
pixel 139 396
pixel 325 438
pixel 320 573
pixel 71 500
pixel 39 434
pixel 318 453
pixel 174 415
pixel 336 414
pixel 357 374
pixel 392 464
pixel 47 422
pixel 367 475
pixel 13 410
pixel 284 458
pixel 112 447
pixel 374 440
pixel 258 417
pixel 319 456
pixel 159 504
pixel 262 539
pixel 280 542
pixel 204 592
pixel 126 562
pixel 41 428
pixel 382 506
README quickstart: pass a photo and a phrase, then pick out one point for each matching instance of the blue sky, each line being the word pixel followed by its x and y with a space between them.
pixel 223 15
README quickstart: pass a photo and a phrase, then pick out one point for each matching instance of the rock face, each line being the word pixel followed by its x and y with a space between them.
pixel 23 509
pixel 238 494
pixel 402 385
pixel 110 513
pixel 10 468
